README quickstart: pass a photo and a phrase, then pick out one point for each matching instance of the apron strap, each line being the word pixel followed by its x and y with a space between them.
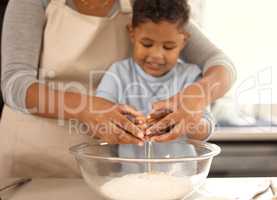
pixel 126 6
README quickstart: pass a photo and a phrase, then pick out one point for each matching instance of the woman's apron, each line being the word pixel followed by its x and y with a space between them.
pixel 76 49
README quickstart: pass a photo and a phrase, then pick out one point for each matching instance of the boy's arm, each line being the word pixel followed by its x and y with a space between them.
pixel 201 51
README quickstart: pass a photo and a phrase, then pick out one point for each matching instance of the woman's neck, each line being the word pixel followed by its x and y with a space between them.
pixel 100 8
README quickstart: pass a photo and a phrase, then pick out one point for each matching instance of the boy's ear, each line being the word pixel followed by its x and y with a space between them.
pixel 130 30
pixel 186 38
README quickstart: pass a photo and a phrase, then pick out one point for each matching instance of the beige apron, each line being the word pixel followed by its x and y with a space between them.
pixel 74 46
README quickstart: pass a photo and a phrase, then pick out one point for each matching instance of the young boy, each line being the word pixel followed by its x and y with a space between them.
pixel 154 72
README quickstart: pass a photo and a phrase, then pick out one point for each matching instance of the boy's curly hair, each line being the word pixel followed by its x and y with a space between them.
pixel 174 11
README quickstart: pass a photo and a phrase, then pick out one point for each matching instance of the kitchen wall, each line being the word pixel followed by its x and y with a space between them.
pixel 197 8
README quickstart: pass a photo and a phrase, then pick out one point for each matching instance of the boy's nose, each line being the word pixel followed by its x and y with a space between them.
pixel 156 55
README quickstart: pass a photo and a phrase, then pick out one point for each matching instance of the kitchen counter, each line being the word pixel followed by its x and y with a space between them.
pixel 72 189
pixel 257 133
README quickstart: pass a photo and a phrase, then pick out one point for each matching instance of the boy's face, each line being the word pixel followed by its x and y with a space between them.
pixel 157 46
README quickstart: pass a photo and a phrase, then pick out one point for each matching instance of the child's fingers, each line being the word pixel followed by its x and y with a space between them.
pixel 159 105
pixel 173 134
pixel 124 138
pixel 113 134
pixel 158 114
pixel 125 124
pixel 167 122
pixel 126 109
pixel 132 114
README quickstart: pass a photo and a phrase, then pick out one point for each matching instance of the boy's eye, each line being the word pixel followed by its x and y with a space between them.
pixel 169 47
pixel 147 45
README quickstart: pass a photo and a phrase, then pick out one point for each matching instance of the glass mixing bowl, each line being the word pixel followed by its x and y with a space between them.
pixel 169 171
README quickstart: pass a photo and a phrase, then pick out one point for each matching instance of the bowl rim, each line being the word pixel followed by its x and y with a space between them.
pixel 214 151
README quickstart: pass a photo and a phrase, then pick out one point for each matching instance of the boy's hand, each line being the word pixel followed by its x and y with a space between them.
pixel 186 113
pixel 154 117
pixel 134 116
pixel 145 122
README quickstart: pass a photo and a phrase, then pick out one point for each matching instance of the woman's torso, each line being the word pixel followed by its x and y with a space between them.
pixel 77 49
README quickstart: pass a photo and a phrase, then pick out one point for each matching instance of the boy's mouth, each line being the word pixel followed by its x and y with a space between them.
pixel 153 66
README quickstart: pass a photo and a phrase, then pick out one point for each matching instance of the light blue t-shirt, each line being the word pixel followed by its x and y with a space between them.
pixel 126 83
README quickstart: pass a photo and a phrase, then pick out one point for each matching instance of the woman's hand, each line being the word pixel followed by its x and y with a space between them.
pixel 106 120
pixel 110 122
pixel 177 116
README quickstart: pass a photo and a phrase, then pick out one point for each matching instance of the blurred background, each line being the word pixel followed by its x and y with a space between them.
pixel 244 30
pixel 247 115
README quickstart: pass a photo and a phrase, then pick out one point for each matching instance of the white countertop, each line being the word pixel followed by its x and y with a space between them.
pixel 72 189
pixel 258 133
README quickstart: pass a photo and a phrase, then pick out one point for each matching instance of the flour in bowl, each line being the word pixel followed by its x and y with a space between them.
pixel 150 186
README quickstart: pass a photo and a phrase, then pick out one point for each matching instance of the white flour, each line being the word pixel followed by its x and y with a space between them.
pixel 150 186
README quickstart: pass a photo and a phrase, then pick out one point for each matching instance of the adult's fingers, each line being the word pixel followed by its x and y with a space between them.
pixel 165 123
pixel 157 114
pixel 132 114
pixel 160 105
pixel 125 124
pixel 173 134
pixel 129 110
pixel 102 131
pixel 124 138
pixel 112 134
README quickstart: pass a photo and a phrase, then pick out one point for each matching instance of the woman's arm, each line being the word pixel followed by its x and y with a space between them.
pixel 22 37
pixel 216 66
pixel 105 119
pixel 21 44
pixel 204 129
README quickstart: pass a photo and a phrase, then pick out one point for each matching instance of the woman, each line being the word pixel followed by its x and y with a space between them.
pixel 68 51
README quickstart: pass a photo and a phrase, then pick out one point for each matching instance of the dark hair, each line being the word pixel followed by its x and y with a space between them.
pixel 174 11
